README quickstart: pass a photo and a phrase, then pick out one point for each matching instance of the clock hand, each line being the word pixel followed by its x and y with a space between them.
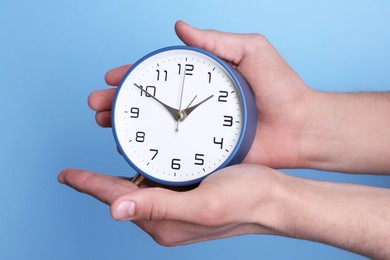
pixel 182 89
pixel 179 115
pixel 185 112
pixel 173 111
pixel 191 101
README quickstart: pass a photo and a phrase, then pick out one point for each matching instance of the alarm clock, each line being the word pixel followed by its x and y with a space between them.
pixel 181 113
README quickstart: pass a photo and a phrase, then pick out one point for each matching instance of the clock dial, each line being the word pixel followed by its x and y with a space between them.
pixel 178 116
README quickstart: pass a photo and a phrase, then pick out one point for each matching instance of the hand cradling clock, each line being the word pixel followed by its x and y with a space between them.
pixel 181 113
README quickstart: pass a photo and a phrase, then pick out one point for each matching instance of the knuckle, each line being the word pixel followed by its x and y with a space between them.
pixel 257 39
pixel 86 178
pixel 158 209
pixel 214 213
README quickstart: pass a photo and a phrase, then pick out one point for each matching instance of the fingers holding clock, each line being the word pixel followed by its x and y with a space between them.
pixel 224 45
pixel 120 193
pixel 114 76
pixel 207 201
pixel 215 209
pixel 247 52
pixel 103 118
pixel 154 204
pixel 282 97
pixel 102 187
pixel 101 102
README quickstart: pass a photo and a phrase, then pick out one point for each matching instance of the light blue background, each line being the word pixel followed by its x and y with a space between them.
pixel 54 53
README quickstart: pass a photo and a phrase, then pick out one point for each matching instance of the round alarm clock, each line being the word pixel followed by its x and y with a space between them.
pixel 181 113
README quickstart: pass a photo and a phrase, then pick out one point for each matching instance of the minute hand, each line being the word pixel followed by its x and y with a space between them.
pixel 171 110
pixel 187 111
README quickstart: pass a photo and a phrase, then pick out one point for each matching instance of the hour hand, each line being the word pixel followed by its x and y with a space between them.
pixel 173 111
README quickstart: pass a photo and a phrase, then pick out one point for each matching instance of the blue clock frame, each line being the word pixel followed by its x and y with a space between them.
pixel 249 113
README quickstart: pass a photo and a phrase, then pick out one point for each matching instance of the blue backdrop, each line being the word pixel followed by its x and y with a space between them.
pixel 54 53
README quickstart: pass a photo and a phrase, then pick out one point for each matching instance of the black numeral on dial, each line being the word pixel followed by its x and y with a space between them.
pixel 209 73
pixel 227 121
pixel 134 112
pixel 175 164
pixel 140 136
pixel 199 159
pixel 165 75
pixel 151 91
pixel 155 151
pixel 188 69
pixel 223 96
pixel 220 143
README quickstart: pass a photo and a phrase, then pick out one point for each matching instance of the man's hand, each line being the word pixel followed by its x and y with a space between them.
pixel 236 200
pixel 281 96
pixel 297 126
pixel 249 199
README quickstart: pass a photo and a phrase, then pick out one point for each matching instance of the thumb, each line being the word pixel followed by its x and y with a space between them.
pixel 156 204
pixel 228 46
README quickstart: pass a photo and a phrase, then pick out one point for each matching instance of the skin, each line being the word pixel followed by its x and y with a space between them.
pixel 298 127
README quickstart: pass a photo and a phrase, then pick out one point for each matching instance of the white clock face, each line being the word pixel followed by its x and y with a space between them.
pixel 177 116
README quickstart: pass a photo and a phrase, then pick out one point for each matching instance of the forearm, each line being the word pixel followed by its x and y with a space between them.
pixel 352 217
pixel 348 132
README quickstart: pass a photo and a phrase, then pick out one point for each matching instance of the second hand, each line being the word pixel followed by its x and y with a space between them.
pixel 181 99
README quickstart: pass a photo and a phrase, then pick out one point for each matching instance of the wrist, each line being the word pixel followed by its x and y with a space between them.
pixel 320 136
pixel 341 215
pixel 269 212
pixel 346 132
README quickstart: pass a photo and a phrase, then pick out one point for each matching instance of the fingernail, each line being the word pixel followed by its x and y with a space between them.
pixel 125 210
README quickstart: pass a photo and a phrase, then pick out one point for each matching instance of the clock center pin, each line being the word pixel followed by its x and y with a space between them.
pixel 180 115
